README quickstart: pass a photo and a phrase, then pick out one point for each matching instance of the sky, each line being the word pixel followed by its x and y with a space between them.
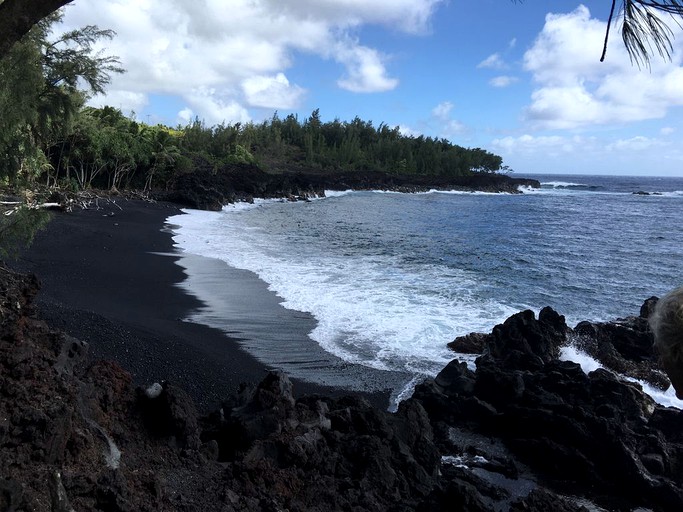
pixel 520 79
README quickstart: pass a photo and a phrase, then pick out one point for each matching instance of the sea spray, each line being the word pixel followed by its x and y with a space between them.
pixel 389 279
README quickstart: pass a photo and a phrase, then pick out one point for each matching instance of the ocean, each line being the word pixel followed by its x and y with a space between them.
pixel 363 290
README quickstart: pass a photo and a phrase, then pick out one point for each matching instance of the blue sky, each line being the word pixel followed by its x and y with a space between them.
pixel 521 79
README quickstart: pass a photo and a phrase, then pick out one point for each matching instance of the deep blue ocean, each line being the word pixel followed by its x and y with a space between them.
pixel 386 280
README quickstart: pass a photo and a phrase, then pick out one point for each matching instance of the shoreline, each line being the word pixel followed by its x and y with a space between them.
pixel 525 430
pixel 110 277
pixel 240 304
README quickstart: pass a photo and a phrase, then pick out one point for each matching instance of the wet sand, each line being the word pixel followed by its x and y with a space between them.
pixel 109 277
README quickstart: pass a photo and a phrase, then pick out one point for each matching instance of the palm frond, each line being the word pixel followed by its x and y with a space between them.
pixel 643 31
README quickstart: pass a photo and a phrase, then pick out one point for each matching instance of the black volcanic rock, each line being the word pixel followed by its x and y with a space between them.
pixel 309 441
pixel 523 340
pixel 594 435
pixel 624 345
pixel 473 343
pixel 524 431
pixel 209 189
pixel 76 434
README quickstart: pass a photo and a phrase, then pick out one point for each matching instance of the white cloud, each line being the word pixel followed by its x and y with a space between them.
pixel 365 71
pixel 442 110
pixel 446 126
pixel 185 116
pixel 575 145
pixel 493 61
pixel 667 130
pixel 637 143
pixel 406 131
pixel 503 81
pixel 552 145
pixel 408 15
pixel 238 51
pixel 575 90
pixel 272 92
pixel 126 101
pixel 453 129
pixel 214 108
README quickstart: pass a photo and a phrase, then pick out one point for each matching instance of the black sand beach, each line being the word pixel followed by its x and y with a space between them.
pixel 525 431
pixel 109 278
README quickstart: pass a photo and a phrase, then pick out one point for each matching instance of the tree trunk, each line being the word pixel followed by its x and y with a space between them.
pixel 18 16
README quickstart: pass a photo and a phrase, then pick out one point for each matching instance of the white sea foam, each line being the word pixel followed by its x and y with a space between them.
pixel 572 353
pixel 463 461
pixel 526 189
pixel 673 193
pixel 588 364
pixel 437 191
pixel 465 192
pixel 373 310
pixel 666 398
pixel 562 184
pixel 338 193
pixel 567 190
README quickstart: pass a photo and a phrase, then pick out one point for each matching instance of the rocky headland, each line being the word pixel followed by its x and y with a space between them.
pixel 210 189
pixel 524 431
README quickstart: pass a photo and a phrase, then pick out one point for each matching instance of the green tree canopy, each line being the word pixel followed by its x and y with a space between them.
pixel 41 90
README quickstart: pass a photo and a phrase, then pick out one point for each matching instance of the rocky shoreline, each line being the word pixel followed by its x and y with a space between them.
pixel 525 431
pixel 210 189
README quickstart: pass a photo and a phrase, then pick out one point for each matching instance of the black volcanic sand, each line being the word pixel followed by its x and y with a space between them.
pixel 109 277
pixel 242 305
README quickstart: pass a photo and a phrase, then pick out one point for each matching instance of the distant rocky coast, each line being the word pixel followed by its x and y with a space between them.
pixel 207 189
pixel 525 431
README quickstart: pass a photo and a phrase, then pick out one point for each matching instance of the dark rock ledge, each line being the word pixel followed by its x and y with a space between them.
pixel 524 432
pixel 209 189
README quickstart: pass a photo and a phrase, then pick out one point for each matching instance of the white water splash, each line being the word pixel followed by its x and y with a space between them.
pixel 588 364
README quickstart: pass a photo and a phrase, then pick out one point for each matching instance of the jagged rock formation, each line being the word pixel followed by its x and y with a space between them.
pixel 79 436
pixel 534 418
pixel 524 431
pixel 624 345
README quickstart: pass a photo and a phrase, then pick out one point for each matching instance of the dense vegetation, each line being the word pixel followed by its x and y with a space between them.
pixel 290 143
pixel 43 85
pixel 48 136
pixel 103 148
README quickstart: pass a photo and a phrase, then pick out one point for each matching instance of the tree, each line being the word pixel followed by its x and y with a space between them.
pixel 40 93
pixel 165 152
pixel 17 17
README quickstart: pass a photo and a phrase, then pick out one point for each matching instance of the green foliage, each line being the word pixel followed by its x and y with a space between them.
pixel 40 95
pixel 46 133
pixel 355 145
pixel 21 81
pixel 18 229
pixel 280 144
